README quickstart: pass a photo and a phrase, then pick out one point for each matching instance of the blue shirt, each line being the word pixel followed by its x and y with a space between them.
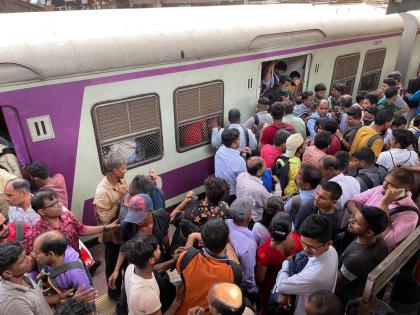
pixel 311 123
pixel 306 207
pixel 415 97
pixel 216 137
pixel 228 164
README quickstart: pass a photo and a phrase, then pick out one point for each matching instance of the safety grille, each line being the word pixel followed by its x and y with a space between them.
pixel 129 128
pixel 345 71
pixel 372 69
pixel 196 107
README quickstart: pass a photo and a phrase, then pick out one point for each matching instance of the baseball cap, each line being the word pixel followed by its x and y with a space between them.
pixel 241 208
pixel 139 206
pixel 293 143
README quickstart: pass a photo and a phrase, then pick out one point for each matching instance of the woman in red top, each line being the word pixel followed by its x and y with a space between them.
pixel 272 253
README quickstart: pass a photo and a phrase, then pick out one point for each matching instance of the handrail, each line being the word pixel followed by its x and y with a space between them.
pixel 390 266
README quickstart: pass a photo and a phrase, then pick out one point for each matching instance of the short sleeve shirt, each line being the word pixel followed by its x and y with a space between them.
pixel 269 132
pixel 202 213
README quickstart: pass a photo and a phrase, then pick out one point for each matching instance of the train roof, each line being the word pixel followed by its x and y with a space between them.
pixel 46 45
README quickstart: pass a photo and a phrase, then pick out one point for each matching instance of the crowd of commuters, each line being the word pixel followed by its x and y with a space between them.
pixel 309 195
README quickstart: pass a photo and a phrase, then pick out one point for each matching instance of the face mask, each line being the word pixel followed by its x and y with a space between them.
pixel 367 122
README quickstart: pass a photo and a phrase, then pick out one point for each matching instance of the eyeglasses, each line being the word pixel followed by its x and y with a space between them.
pixel 310 247
pixel 54 205
pixel 4 223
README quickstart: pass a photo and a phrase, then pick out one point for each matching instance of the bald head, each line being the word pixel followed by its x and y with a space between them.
pixel 225 298
pixel 52 242
pixel 255 166
pixel 329 166
pixel 17 191
pixel 19 184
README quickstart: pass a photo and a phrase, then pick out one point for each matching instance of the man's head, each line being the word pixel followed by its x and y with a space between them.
pixel 346 102
pixel 215 235
pixel 280 67
pixel 216 189
pixel 399 123
pixel 45 202
pixel 369 115
pixel 294 145
pixel 284 81
pixel 280 138
pixel 308 177
pixel 416 121
pixel 402 138
pixel 48 247
pixel 230 138
pixel 354 114
pixel 399 178
pixel 38 173
pixel 115 166
pixel 234 116
pixel 13 261
pixel 141 184
pixel 368 222
pixel 362 159
pixel 370 99
pixel 391 94
pixel 288 107
pixel 329 166
pixel 320 90
pixel 328 124
pixel 322 140
pixel 386 84
pixel 4 229
pixel 327 196
pixel 396 75
pixel 308 99
pixel 256 166
pixel 338 90
pixel 277 111
pixel 241 210
pixel 142 251
pixel 315 234
pixel 140 212
pixel 17 191
pixel 263 104
pixel 384 119
pixel 225 299
pixel 323 303
pixel 322 108
pixel 344 160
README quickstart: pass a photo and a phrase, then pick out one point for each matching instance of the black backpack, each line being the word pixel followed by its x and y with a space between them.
pixel 281 169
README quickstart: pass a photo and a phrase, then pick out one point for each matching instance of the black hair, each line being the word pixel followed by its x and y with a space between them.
pixel 333 188
pixel 224 309
pixel 328 124
pixel 359 97
pixel 365 154
pixel 416 121
pixel 281 65
pixel 229 136
pixel 326 303
pixel 215 234
pixel 346 101
pixel 38 169
pixel 317 227
pixel 9 254
pixel 322 139
pixel 295 74
pixel 253 170
pixel 57 244
pixel 311 175
pixel 45 193
pixel 264 101
pixel 396 75
pixel 234 115
pixel 355 112
pixel 277 111
pixel 141 184
pixel 306 94
pixel 376 219
pixel 216 190
pixel 140 249
pixel 320 87
pixel 274 205
pixel 373 98
pixel 390 82
pixel 19 184
pixel 288 107
pixel 330 161
pixel 281 226
pixel 280 137
pixel 403 137
pixel 390 92
pixel 343 158
pixel 340 87
pixel 283 79
pixel 383 116
pixel 399 121
pixel 403 175
pixel 372 109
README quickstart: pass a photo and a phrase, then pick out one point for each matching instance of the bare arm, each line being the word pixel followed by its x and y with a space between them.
pixel 260 272
pixel 352 206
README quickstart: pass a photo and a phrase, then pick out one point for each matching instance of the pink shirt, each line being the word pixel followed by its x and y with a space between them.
pixel 269 153
pixel 60 189
pixel 312 156
pixel 403 223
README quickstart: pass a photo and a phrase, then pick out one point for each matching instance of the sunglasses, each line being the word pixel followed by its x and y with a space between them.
pixel 4 223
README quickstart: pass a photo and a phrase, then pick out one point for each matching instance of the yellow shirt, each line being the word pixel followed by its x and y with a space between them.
pixel 362 138
pixel 291 187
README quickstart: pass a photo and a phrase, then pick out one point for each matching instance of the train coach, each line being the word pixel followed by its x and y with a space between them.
pixel 77 85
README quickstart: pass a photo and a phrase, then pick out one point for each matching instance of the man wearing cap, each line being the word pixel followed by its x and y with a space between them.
pixel 243 242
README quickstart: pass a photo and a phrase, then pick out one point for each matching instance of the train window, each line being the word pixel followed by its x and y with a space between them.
pixel 372 69
pixel 195 108
pixel 129 127
pixel 345 71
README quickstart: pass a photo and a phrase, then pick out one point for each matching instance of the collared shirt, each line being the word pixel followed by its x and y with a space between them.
pixel 30 217
pixel 69 226
pixel 299 110
pixel 252 186
pixel 320 273
pixel 403 223
pixel 216 137
pixel 228 164
pixel 312 156
pixel 18 299
pixel 384 104
pixel 395 156
pixel 306 208
pixel 297 123
pixel 246 249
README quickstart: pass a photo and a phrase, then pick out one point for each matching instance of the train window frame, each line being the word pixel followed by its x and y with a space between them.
pixel 377 72
pixel 220 114
pixel 343 80
pixel 130 136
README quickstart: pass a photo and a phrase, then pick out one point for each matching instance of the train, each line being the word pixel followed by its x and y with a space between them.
pixel 146 83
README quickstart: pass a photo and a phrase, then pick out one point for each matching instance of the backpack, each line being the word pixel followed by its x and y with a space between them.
pixel 372 140
pixel 404 209
pixel 192 252
pixel 281 169
pixel 256 120
pixel 416 133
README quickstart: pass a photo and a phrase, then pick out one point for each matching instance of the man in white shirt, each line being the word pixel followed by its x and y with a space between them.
pixel 319 273
pixel 399 155
pixel 18 195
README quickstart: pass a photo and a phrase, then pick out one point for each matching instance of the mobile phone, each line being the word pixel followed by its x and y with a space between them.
pixel 402 193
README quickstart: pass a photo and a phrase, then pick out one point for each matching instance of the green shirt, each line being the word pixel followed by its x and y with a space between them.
pixel 384 104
